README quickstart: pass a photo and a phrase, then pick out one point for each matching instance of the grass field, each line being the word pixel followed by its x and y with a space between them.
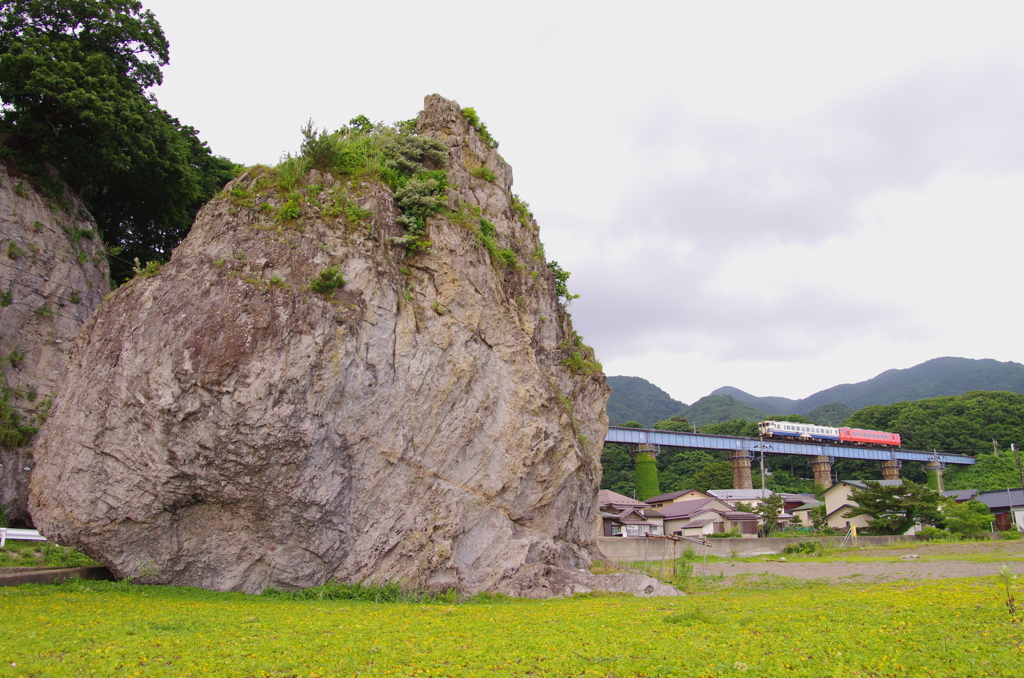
pixel 761 626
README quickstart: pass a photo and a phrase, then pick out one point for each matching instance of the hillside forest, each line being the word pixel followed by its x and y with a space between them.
pixel 982 424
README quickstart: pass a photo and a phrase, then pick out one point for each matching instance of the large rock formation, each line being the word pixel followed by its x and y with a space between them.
pixel 53 275
pixel 435 421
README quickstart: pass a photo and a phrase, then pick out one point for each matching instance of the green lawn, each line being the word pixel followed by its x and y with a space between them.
pixel 930 628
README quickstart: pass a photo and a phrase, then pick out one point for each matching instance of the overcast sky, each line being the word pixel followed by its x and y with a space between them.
pixel 779 197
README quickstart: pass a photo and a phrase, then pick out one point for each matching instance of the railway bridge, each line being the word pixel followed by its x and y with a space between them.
pixel 743 450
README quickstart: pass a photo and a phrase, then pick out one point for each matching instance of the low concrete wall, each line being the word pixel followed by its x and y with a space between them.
pixel 15 576
pixel 633 549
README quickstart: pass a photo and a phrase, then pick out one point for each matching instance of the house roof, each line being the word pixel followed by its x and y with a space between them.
pixel 682 509
pixel 666 497
pixel 741 515
pixel 807 506
pixel 840 508
pixel 805 498
pixel 740 495
pixel 696 523
pixel 960 495
pixel 609 497
pixel 1001 499
pixel 861 483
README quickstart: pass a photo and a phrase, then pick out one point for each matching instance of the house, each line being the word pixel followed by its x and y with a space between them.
pixel 794 501
pixel 707 515
pixel 802 513
pixel 1003 504
pixel 622 516
pixel 752 499
pixel 838 504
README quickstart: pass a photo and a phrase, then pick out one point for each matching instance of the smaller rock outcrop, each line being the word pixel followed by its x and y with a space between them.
pixel 53 276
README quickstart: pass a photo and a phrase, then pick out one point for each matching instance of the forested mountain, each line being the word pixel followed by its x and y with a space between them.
pixel 931 379
pixel 718 408
pixel 636 399
pixel 982 424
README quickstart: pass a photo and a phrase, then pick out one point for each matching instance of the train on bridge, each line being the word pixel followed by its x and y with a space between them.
pixel 803 432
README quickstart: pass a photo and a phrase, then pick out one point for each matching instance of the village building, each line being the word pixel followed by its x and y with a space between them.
pixel 622 516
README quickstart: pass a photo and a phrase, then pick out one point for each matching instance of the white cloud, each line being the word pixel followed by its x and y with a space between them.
pixel 701 168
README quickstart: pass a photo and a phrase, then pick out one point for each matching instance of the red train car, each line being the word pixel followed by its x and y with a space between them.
pixel 863 437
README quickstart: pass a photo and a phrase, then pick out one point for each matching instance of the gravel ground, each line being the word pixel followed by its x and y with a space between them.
pixel 886 564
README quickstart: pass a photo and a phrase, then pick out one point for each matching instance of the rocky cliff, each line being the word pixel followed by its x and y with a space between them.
pixel 241 420
pixel 53 275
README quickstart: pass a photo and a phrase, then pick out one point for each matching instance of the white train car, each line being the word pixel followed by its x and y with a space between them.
pixel 798 430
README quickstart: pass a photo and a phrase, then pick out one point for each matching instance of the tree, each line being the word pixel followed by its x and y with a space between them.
pixel 769 511
pixel 894 509
pixel 676 423
pixel 819 517
pixel 968 518
pixel 73 81
pixel 618 472
pixel 716 476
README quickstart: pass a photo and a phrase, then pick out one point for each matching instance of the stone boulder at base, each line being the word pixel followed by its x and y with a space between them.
pixel 435 421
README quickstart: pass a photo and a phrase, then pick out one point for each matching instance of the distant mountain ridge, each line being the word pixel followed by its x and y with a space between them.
pixel 930 379
pixel 636 399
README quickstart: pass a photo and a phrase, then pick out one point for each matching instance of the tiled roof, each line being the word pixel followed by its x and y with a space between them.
pixel 609 497
pixel 883 483
pixel 666 497
pixel 682 509
pixel 1002 499
pixel 740 515
pixel 740 495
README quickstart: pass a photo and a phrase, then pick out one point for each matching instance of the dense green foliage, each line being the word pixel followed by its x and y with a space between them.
pixel 830 414
pixel 714 476
pixel 409 164
pixel 715 409
pixel 646 476
pixel 73 81
pixel 636 399
pixel 989 472
pixel 969 518
pixel 964 424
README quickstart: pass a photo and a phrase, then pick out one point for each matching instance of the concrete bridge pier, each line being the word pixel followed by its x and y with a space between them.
pixel 645 456
pixel 934 470
pixel 741 478
pixel 891 469
pixel 822 471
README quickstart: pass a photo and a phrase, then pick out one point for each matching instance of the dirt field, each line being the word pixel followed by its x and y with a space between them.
pixel 935 561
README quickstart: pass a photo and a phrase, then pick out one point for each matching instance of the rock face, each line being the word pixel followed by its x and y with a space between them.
pixel 53 275
pixel 435 421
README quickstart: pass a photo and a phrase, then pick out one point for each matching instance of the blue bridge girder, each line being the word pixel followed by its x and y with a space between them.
pixel 704 441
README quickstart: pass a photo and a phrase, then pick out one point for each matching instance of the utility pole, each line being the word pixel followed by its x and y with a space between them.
pixel 1016 455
